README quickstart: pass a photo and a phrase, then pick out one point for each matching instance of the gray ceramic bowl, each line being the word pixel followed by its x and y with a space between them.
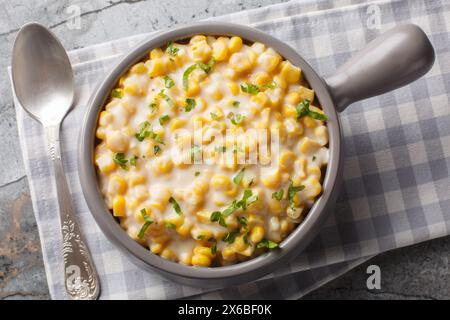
pixel 396 58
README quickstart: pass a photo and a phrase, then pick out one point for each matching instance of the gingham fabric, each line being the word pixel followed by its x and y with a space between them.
pixel 397 186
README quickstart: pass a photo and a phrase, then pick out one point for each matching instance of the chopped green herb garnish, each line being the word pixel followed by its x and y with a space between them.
pixel 207 67
pixel 271 85
pixel 214 116
pixel 243 221
pixel 247 199
pixel 250 183
pixel 249 88
pixel 163 119
pixel 314 158
pixel 197 173
pixel 292 191
pixel 278 195
pixel 186 74
pixel 133 160
pixel 170 225
pixel 190 104
pixel 303 110
pixel 267 244
pixel 230 236
pixel 143 132
pixel 214 248
pixel 195 149
pixel 168 82
pixel 166 98
pixel 117 93
pixel 156 150
pixel 153 106
pixel 236 119
pixel 171 50
pixel 245 238
pixel 217 216
pixel 220 149
pixel 236 104
pixel 175 205
pixel 238 178
pixel 147 223
pixel 119 158
pixel 201 237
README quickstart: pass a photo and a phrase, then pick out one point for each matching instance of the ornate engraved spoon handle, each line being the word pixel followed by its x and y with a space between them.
pixel 81 280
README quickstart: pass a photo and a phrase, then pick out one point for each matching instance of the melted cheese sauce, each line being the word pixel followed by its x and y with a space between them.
pixel 181 161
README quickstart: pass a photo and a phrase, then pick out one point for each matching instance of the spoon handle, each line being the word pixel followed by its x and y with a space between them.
pixel 80 277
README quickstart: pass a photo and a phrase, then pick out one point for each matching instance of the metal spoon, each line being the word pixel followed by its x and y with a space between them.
pixel 43 83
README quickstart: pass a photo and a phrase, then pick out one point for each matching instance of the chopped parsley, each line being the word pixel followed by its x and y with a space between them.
pixel 230 236
pixel 117 93
pixel 166 98
pixel 144 131
pixel 156 150
pixel 236 119
pixel 243 221
pixel 147 223
pixel 170 225
pixel 208 66
pixel 186 74
pixel 190 104
pixel 175 205
pixel 267 244
pixel 214 248
pixel 168 82
pixel 292 191
pixel 217 216
pixel 303 110
pixel 249 88
pixel 271 85
pixel 195 149
pixel 153 106
pixel 236 104
pixel 163 119
pixel 214 116
pixel 133 160
pixel 278 195
pixel 171 50
pixel 197 173
pixel 119 158
pixel 238 178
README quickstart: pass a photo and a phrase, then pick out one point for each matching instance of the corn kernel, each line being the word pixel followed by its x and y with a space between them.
pixel 272 180
pixel 269 61
pixel 261 99
pixel 156 248
pixel 185 229
pixel 290 72
pixel 257 234
pixel 289 111
pixel 220 50
pixel 135 179
pixel 156 53
pixel 200 260
pixel 235 44
pixel 197 38
pixel 193 89
pixel 106 164
pixel 100 133
pixel 158 67
pixel 234 88
pixel 201 50
pixel 315 171
pixel 309 122
pixel 119 206
pixel 321 133
pixel 203 250
pixel 293 98
pixel 309 146
pixel 240 62
pixel 275 207
pixel 162 166
pixel 220 182
pixel 261 78
pixel 138 68
pixel 105 118
pixel 117 142
pixel 287 159
pixel 239 244
pixel 177 123
pixel 168 254
pixel 117 185
pixel 228 253
pixel 306 93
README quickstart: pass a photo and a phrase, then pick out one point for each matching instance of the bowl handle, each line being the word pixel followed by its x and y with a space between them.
pixel 392 60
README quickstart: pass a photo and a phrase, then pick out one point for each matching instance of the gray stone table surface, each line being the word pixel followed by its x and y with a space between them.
pixel 418 272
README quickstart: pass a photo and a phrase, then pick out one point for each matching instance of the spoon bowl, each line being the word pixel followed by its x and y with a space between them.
pixel 42 74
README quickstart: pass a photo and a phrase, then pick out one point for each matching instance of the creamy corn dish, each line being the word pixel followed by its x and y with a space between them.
pixel 210 151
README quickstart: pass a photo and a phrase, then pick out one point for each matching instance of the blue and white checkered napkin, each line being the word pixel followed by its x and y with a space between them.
pixel 397 185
